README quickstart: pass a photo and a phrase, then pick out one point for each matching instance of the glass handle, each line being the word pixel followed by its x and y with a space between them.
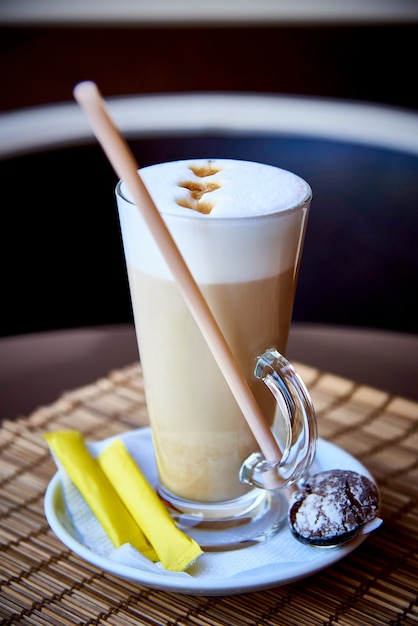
pixel 296 419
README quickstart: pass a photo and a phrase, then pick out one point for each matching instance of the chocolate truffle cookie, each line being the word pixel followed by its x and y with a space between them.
pixel 332 507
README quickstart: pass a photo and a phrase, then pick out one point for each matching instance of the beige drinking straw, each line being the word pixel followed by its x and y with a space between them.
pixel 125 166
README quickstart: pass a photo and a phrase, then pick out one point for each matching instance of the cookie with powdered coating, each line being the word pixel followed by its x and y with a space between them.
pixel 332 507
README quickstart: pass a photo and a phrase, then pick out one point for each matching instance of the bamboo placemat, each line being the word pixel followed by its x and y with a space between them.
pixel 42 582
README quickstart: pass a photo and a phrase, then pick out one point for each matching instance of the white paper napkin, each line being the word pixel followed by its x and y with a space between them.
pixel 283 550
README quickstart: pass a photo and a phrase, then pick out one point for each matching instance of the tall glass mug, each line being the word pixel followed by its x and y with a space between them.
pixel 240 227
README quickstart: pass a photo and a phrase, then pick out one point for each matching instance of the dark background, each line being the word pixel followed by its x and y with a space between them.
pixel 370 62
pixel 359 266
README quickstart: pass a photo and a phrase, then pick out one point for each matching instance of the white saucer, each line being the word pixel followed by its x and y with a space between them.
pixel 279 561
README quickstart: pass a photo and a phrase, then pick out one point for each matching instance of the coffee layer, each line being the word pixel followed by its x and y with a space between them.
pixel 200 435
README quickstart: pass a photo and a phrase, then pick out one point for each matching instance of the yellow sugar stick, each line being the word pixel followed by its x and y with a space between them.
pixel 175 549
pixel 71 451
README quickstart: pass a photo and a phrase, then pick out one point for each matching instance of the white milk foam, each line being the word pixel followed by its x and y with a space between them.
pixel 226 244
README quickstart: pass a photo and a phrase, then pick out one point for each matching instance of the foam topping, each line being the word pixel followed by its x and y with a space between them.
pixel 222 188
